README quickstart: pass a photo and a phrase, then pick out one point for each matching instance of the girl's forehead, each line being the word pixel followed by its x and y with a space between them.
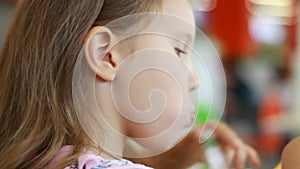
pixel 183 11
pixel 179 8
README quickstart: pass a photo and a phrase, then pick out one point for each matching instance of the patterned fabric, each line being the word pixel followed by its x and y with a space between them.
pixel 93 161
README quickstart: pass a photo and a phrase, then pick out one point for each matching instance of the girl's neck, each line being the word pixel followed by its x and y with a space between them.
pixel 112 134
pixel 101 151
pixel 109 156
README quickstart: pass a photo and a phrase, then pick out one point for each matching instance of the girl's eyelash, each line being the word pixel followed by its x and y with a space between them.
pixel 179 52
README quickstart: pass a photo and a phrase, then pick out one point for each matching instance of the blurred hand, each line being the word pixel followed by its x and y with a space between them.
pixel 189 151
pixel 236 152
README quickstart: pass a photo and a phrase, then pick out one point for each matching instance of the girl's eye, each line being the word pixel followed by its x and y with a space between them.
pixel 180 52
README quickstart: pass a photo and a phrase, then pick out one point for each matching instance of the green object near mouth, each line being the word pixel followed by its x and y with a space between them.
pixel 204 114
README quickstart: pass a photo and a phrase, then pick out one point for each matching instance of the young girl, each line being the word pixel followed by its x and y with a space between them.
pixel 41 125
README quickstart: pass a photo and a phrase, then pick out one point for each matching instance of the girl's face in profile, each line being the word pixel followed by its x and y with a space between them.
pixel 143 80
pixel 155 82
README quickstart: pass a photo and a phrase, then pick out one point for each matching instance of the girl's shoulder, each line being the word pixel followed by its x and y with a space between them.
pixel 93 161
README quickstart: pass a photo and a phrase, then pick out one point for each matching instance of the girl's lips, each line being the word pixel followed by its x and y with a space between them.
pixel 192 118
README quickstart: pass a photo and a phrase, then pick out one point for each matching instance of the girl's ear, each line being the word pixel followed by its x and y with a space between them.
pixel 99 56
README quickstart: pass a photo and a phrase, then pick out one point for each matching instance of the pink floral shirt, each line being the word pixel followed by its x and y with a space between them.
pixel 93 161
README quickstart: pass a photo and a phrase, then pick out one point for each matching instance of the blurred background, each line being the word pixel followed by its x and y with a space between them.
pixel 258 45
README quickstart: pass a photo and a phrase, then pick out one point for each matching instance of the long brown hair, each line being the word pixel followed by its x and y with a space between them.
pixel 37 114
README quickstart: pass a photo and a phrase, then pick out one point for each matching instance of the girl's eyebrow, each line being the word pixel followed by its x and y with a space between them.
pixel 189 38
pixel 186 34
pixel 186 38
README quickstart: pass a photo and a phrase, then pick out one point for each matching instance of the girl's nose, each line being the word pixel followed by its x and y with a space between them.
pixel 194 81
